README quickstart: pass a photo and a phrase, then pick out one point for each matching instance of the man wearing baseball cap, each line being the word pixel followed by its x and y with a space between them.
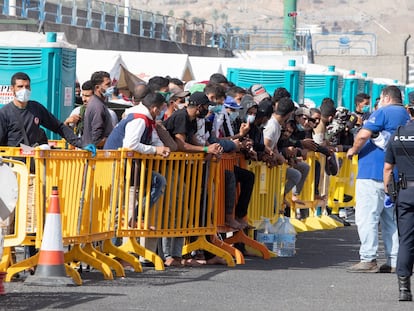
pixel 182 125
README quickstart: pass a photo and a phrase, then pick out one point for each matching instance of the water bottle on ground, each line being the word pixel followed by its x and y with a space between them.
pixel 265 233
pixel 285 238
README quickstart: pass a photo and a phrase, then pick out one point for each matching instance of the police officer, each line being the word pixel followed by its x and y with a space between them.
pixel 400 153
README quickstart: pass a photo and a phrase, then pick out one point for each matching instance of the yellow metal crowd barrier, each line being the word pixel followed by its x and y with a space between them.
pixel 18 223
pixel 88 199
pixel 268 192
pixel 308 199
pixel 227 163
pixel 342 186
pixel 187 209
pixel 97 206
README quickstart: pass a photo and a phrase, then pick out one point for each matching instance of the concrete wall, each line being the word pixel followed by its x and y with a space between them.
pixel 89 38
pixel 390 62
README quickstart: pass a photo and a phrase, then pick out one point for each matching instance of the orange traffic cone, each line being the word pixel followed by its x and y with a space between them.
pixel 50 269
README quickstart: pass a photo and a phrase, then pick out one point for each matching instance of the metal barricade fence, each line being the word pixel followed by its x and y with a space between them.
pixel 187 208
pixel 96 204
pixel 17 224
pixel 88 197
pixel 316 220
pixel 268 192
pixel 342 186
pixel 227 163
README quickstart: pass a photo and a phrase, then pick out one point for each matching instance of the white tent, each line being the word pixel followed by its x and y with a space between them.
pixel 204 67
pixel 146 65
pixel 143 65
pixel 89 61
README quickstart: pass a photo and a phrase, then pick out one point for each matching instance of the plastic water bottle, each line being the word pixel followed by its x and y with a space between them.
pixel 285 239
pixel 265 233
pixel 286 245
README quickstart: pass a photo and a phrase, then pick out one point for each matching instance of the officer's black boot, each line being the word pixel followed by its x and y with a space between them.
pixel 405 288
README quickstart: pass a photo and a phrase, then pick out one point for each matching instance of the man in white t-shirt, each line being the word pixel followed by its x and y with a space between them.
pixel 295 176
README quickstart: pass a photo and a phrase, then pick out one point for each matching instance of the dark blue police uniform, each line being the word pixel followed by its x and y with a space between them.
pixel 400 152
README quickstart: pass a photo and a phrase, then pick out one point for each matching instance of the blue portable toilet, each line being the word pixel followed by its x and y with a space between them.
pixel 408 89
pixel 353 85
pixel 401 86
pixel 377 86
pixel 322 82
pixel 367 83
pixel 50 64
pixel 290 77
pixel 380 83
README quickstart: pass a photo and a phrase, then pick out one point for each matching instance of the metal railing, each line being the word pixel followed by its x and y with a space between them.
pixel 119 18
pixel 345 44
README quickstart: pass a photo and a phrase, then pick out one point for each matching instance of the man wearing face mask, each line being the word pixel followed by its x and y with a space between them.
pixel 224 123
pixel 176 101
pixel 98 122
pixel 362 107
pixel 20 120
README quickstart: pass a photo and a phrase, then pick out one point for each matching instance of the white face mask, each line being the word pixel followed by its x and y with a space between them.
pixel 250 118
pixel 23 95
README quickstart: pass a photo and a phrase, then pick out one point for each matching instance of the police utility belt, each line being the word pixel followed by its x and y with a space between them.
pixel 395 186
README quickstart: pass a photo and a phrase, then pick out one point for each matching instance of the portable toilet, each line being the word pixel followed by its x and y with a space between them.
pixel 322 82
pixel 353 85
pixel 377 86
pixel 380 83
pixel 408 89
pixel 50 63
pixel 402 88
pixel 290 77
pixel 367 83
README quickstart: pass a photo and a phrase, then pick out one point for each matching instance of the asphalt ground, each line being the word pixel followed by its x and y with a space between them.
pixel 314 279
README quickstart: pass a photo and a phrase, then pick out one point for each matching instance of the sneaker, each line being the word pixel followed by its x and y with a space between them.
pixel 385 268
pixel 364 267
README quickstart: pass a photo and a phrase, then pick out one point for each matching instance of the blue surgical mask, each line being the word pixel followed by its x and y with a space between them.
pixel 300 127
pixel 215 109
pixel 250 118
pixel 109 91
pixel 365 109
pixel 161 115
pixel 233 115
pixel 23 95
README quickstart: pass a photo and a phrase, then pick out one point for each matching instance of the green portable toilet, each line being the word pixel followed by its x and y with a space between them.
pixel 322 82
pixel 50 64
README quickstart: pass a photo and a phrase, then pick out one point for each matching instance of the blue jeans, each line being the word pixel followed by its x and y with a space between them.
pixel 158 183
pixel 369 212
pixel 293 177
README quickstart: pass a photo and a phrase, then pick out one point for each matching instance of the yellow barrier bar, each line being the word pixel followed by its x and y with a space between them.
pixel 17 153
